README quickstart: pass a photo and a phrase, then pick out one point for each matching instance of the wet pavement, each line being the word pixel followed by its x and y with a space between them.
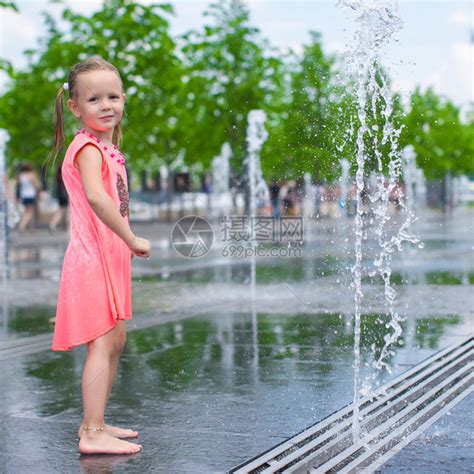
pixel 206 393
pixel 445 447
pixel 210 378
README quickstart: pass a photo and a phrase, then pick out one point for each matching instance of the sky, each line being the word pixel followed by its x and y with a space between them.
pixel 435 48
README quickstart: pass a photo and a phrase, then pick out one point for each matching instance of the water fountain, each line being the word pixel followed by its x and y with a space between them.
pixel 377 21
pixel 420 188
pixel 345 167
pixel 220 179
pixel 258 189
pixel 411 177
pixel 3 230
pixel 3 211
pixel 220 170
pixel 256 136
pixel 308 198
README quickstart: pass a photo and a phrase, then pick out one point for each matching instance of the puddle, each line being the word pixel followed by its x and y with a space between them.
pixel 26 321
pixel 314 350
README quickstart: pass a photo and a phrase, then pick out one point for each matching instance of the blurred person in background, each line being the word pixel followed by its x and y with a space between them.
pixel 28 188
pixel 275 198
pixel 61 194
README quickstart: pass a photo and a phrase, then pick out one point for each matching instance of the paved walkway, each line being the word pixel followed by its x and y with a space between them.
pixel 210 379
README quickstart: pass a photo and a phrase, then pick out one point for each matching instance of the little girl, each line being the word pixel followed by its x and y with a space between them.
pixel 94 292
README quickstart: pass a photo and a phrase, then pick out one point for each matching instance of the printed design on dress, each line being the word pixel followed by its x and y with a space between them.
pixel 123 195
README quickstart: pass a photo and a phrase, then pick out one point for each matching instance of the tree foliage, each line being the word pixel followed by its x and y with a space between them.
pixel 229 73
pixel 8 5
pixel 186 96
pixel 442 142
pixel 301 137
pixel 133 37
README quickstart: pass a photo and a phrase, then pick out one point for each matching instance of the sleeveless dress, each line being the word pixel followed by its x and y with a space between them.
pixel 95 284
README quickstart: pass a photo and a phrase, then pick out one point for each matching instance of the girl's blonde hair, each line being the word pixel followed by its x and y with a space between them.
pixel 95 63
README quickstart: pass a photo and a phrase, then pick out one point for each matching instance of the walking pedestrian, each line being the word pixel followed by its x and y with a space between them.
pixel 28 188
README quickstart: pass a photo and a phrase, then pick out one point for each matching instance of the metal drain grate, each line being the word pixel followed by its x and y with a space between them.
pixel 400 410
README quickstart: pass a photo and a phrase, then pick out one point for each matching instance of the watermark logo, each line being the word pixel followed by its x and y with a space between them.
pixel 262 229
pixel 250 236
pixel 240 236
pixel 192 236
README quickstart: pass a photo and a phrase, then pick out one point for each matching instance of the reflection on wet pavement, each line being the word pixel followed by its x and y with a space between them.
pixel 28 321
pixel 209 392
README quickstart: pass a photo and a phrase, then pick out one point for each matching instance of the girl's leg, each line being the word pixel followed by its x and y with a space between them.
pixel 26 218
pixel 56 219
pixel 112 374
pixel 114 430
pixel 114 362
pixel 95 389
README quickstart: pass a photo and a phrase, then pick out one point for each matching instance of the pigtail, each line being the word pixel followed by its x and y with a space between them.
pixel 58 140
pixel 117 135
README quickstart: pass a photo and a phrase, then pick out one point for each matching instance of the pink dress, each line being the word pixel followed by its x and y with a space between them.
pixel 95 285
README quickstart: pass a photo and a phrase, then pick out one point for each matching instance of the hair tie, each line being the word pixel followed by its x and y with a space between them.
pixel 66 86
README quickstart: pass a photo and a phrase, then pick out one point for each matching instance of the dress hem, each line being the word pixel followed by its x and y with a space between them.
pixel 74 344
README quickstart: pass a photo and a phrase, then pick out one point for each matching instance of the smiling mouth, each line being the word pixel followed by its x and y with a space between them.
pixel 107 117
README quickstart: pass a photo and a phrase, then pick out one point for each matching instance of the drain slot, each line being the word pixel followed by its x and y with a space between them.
pixel 398 412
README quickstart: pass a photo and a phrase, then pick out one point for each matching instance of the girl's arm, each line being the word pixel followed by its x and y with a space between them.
pixel 89 161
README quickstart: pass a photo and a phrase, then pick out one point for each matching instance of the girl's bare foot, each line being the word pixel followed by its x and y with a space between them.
pixel 103 443
pixel 115 431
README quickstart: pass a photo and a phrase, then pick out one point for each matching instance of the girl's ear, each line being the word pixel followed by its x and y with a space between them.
pixel 73 108
pixel 124 97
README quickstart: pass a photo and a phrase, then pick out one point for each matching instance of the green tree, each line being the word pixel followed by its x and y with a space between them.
pixel 306 135
pixel 443 144
pixel 133 37
pixel 230 71
pixel 10 5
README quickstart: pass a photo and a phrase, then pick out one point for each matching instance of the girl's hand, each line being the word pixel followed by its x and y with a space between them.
pixel 140 247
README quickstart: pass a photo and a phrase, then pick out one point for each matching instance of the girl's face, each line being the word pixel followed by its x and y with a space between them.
pixel 98 101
